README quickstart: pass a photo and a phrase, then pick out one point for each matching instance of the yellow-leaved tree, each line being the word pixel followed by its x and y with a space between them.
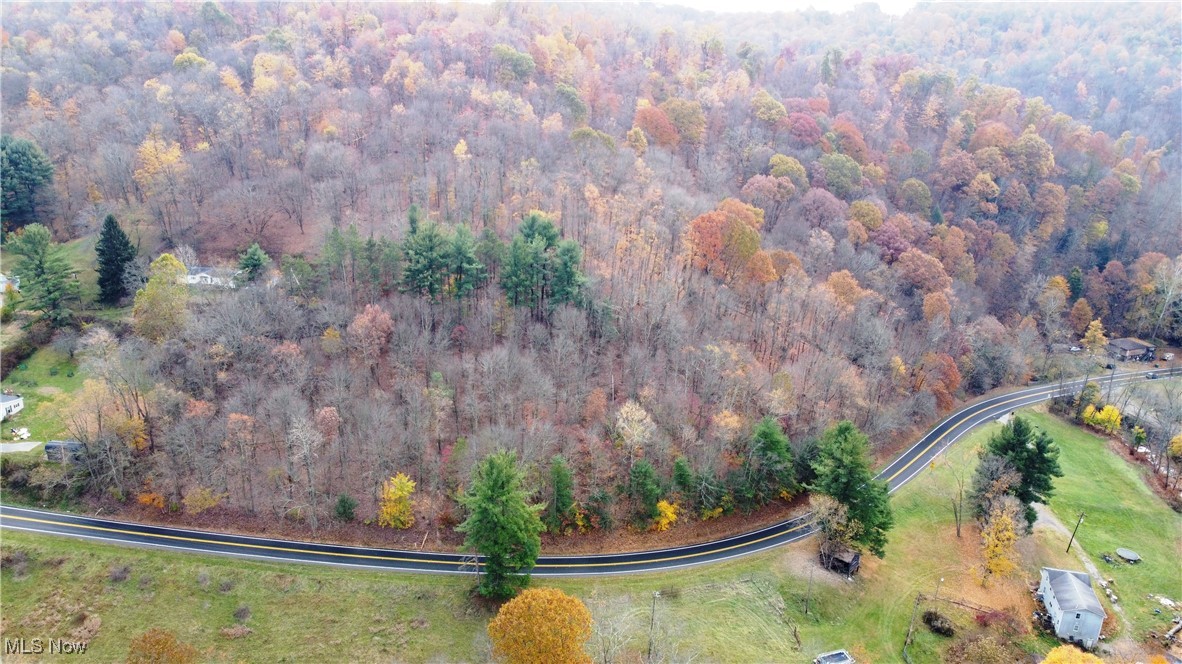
pixel 998 538
pixel 159 310
pixel 1107 419
pixel 541 625
pixel 395 509
pixel 1070 655
pixel 1176 446
pixel 667 515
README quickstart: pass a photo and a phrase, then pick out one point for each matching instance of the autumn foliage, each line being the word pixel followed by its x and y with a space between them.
pixel 395 509
pixel 1070 655
pixel 625 241
pixel 541 626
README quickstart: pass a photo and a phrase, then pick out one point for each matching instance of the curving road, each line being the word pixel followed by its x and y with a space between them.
pixel 899 472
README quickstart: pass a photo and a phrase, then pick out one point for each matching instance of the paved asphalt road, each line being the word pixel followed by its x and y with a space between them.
pixel 899 472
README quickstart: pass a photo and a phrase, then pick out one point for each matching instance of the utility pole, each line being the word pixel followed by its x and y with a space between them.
pixel 1073 532
pixel 809 596
pixel 1111 377
pixel 652 623
pixel 910 627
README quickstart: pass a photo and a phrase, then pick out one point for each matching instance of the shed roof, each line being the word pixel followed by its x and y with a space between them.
pixel 1130 343
pixel 1073 591
pixel 9 398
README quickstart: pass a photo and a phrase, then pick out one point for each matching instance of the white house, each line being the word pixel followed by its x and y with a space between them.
pixel 7 282
pixel 1075 610
pixel 11 404
pixel 213 277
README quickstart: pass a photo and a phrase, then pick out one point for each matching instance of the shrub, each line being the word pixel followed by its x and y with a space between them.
pixel 346 507
pixel 938 623
pixel 17 561
pixel 200 499
pixel 242 613
pixel 158 645
pixel 667 515
pixel 599 509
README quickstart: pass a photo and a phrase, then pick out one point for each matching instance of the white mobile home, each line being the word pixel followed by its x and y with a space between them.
pixel 1074 609
pixel 11 405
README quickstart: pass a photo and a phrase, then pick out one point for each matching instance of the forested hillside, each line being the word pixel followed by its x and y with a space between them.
pixel 622 234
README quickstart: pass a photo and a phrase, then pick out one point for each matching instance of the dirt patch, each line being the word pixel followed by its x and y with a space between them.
pixel 236 632
pixel 48 391
pixel 801 562
pixel 88 625
pixel 56 610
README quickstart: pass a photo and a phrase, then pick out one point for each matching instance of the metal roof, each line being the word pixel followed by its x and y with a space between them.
pixel 1130 343
pixel 1073 591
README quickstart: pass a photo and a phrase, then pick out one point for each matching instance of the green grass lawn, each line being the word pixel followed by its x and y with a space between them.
pixel 44 379
pixel 1120 512
pixel 746 610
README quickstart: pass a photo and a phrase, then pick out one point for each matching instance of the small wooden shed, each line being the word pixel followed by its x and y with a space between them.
pixel 843 560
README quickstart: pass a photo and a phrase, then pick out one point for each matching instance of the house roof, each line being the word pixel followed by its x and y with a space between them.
pixel 1130 343
pixel 1073 591
pixel 9 398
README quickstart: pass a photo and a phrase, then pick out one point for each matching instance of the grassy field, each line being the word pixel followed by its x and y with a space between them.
pixel 748 610
pixel 1120 512
pixel 45 378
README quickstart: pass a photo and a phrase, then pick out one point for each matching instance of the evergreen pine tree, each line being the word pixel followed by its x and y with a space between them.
pixel 562 500
pixel 253 261
pixel 1034 455
pixel 46 275
pixel 567 281
pixel 769 468
pixel 467 272
pixel 843 472
pixel 114 252
pixel 645 490
pixel 501 526
pixel 24 172
pixel 683 480
pixel 426 251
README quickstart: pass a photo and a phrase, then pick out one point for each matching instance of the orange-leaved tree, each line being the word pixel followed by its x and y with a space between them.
pixel 541 625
